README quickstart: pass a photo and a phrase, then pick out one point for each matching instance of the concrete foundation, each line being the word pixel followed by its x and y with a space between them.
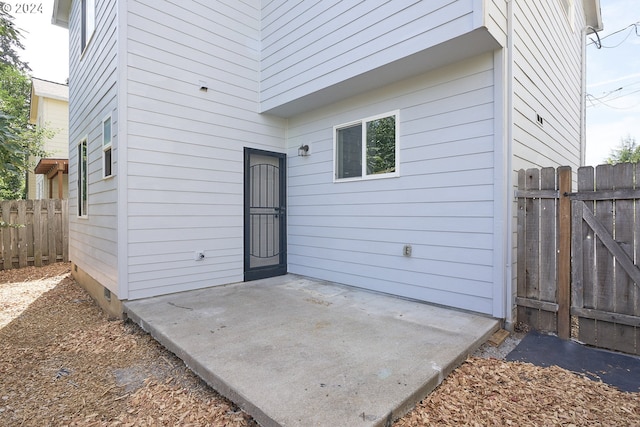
pixel 107 300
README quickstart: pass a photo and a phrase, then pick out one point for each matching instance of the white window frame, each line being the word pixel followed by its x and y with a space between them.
pixel 107 147
pixel 83 178
pixel 569 7
pixel 87 23
pixel 364 122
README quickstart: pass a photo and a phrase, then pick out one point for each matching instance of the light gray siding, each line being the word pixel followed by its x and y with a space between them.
pixel 185 146
pixel 547 81
pixel 442 203
pixel 311 46
pixel 93 95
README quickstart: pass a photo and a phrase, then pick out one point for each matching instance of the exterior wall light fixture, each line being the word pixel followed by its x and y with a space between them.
pixel 303 150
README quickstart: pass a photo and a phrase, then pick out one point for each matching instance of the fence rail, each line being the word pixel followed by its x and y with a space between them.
pixel 36 232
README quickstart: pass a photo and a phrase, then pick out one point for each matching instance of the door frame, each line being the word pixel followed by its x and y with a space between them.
pixel 280 268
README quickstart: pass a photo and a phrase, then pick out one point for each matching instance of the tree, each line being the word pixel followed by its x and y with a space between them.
pixel 10 42
pixel 19 140
pixel 627 152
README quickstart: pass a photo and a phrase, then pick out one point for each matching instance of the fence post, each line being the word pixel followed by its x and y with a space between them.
pixel 564 253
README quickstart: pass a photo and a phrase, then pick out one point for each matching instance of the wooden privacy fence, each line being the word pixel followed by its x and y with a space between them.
pixel 37 232
pixel 578 254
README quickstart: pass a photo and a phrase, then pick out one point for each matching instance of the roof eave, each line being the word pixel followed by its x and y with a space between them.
pixel 61 10
pixel 593 16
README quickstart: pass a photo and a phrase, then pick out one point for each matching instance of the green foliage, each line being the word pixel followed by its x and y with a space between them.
pixel 20 141
pixel 627 152
pixel 10 42
pixel 381 145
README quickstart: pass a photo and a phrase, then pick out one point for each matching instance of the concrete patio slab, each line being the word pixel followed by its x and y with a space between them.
pixel 293 351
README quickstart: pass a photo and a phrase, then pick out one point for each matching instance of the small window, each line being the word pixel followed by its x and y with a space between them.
pixel 568 7
pixel 82 178
pixel 88 11
pixel 107 161
pixel 367 148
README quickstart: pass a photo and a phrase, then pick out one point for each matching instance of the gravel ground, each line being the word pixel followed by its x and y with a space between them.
pixel 63 363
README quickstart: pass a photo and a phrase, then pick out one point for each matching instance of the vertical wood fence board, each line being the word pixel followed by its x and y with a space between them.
pixel 635 294
pixel 587 327
pixel 548 249
pixel 564 254
pixel 51 231
pixel 37 233
pixel 604 259
pixel 22 234
pixel 532 274
pixel 624 335
pixel 7 254
pixel 65 231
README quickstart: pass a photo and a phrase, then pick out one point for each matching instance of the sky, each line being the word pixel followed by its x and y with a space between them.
pixel 613 72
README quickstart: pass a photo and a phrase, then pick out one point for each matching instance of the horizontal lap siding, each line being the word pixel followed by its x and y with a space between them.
pixel 308 46
pixel 185 146
pixel 547 81
pixel 92 96
pixel 442 203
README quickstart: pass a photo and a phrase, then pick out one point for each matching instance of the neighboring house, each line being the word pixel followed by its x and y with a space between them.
pixel 372 143
pixel 50 109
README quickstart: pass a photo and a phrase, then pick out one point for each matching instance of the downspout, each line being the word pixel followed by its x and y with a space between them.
pixel 509 299
pixel 583 97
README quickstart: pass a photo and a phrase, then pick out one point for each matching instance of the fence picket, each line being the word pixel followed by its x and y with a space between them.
pixel 548 245
pixel 604 259
pixel 624 335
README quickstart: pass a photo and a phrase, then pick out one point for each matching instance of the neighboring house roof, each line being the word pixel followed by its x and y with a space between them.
pixel 46 89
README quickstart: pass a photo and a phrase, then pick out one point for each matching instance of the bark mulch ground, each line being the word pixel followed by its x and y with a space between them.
pixel 64 363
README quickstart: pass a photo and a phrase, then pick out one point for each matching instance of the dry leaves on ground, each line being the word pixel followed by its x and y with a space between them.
pixel 63 363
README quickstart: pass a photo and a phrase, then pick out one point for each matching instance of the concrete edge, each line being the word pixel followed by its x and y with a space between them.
pixel 206 375
pixel 412 400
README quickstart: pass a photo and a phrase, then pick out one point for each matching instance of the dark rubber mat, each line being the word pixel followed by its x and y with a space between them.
pixel 616 369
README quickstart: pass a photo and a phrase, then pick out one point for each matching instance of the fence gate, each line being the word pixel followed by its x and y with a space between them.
pixel 600 223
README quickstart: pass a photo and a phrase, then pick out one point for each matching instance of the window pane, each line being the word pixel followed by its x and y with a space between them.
pixel 107 162
pixel 349 152
pixel 381 146
pixel 82 178
pixel 106 132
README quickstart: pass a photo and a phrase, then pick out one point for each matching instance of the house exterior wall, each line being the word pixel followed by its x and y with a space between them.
pixel 548 61
pixel 54 114
pixel 441 204
pixel 547 81
pixel 92 96
pixel 309 48
pixel 185 146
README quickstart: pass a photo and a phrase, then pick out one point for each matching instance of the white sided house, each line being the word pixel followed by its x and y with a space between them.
pixel 368 143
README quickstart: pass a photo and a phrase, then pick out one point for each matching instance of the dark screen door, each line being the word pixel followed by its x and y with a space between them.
pixel 265 222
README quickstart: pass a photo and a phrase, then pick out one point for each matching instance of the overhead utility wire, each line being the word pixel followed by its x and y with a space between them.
pixel 599 44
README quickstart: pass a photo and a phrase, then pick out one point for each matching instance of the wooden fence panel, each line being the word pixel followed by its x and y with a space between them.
pixel 598 283
pixel 38 232
pixel 537 271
